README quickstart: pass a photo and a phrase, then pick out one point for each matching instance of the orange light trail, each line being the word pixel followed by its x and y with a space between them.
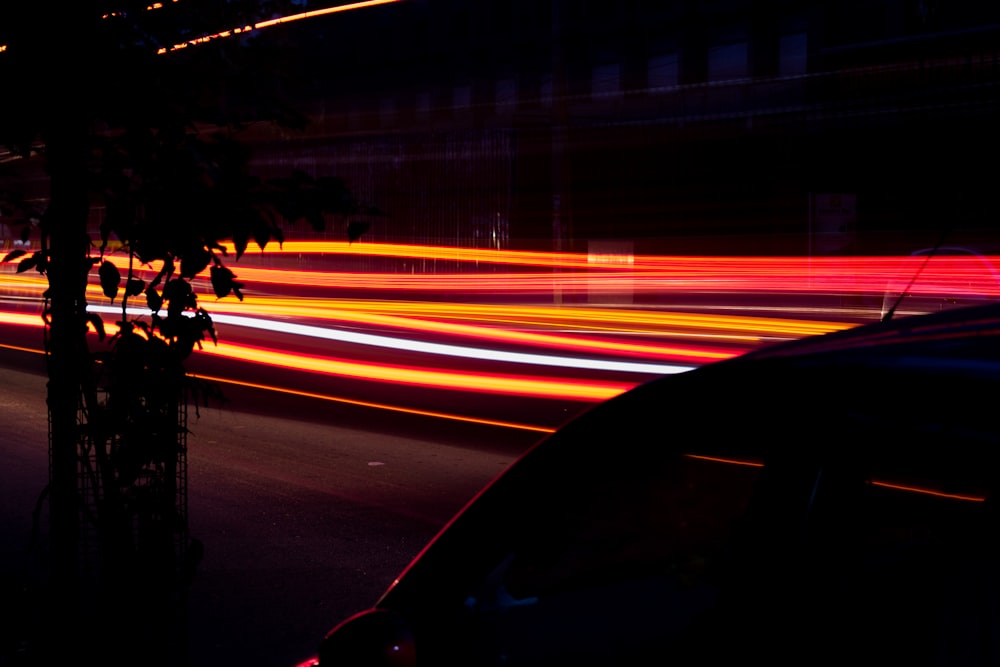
pixel 18 348
pixel 660 275
pixel 274 318
pixel 617 320
pixel 256 26
pixel 361 314
pixel 647 282
pixel 500 331
pixel 507 321
pixel 717 459
pixel 381 406
pixel 445 253
pixel 417 316
pixel 620 320
pixel 894 267
pixel 21 319
pixel 34 321
pixel 929 492
pixel 888 485
pixel 477 382
pixel 260 25
pixel 947 275
pixel 494 383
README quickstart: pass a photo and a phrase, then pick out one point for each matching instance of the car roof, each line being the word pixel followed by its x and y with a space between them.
pixel 914 398
pixel 971 333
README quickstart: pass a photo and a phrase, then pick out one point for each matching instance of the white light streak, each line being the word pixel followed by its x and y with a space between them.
pixel 394 343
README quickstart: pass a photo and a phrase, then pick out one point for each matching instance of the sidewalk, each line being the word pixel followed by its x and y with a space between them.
pixel 303 522
pixel 23 476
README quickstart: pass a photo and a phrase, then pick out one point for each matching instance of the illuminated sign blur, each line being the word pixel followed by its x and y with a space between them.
pixel 607 254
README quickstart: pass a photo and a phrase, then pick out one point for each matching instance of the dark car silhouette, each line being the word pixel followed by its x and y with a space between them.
pixel 826 501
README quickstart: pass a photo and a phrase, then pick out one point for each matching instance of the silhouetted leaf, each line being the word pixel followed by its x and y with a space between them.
pixel 241 237
pixel 223 283
pixel 195 262
pixel 179 297
pixel 217 247
pixel 153 299
pixel 119 218
pixel 355 229
pixel 111 278
pixel 164 272
pixel 95 321
pixel 27 264
pixel 105 232
pixel 14 254
pixel 134 287
pixel 261 235
pixel 316 221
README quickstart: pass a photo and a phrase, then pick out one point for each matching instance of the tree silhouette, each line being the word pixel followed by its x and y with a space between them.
pixel 150 136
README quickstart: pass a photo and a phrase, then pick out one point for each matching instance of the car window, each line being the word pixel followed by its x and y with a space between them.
pixel 934 279
pixel 877 571
pixel 616 562
pixel 680 553
pixel 674 522
pixel 921 559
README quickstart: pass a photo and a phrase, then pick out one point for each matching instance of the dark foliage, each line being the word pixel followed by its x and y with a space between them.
pixel 154 135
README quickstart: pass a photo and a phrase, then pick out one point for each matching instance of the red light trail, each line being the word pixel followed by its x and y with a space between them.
pixel 380 327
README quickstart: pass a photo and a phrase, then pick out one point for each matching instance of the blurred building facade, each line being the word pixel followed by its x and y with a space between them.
pixel 670 126
pixel 679 126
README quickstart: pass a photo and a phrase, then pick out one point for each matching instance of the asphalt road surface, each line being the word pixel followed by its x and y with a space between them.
pixel 305 518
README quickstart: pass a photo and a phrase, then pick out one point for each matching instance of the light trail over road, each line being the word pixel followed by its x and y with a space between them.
pixel 540 333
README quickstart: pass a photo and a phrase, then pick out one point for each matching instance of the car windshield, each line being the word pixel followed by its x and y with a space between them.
pixel 940 278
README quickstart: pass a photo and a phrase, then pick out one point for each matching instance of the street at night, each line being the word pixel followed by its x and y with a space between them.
pixel 525 349
pixel 498 332
pixel 302 520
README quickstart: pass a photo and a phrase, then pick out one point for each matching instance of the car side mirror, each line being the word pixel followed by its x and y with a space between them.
pixel 372 638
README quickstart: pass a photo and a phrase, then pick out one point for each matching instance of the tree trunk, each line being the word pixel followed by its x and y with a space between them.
pixel 66 221
pixel 64 110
